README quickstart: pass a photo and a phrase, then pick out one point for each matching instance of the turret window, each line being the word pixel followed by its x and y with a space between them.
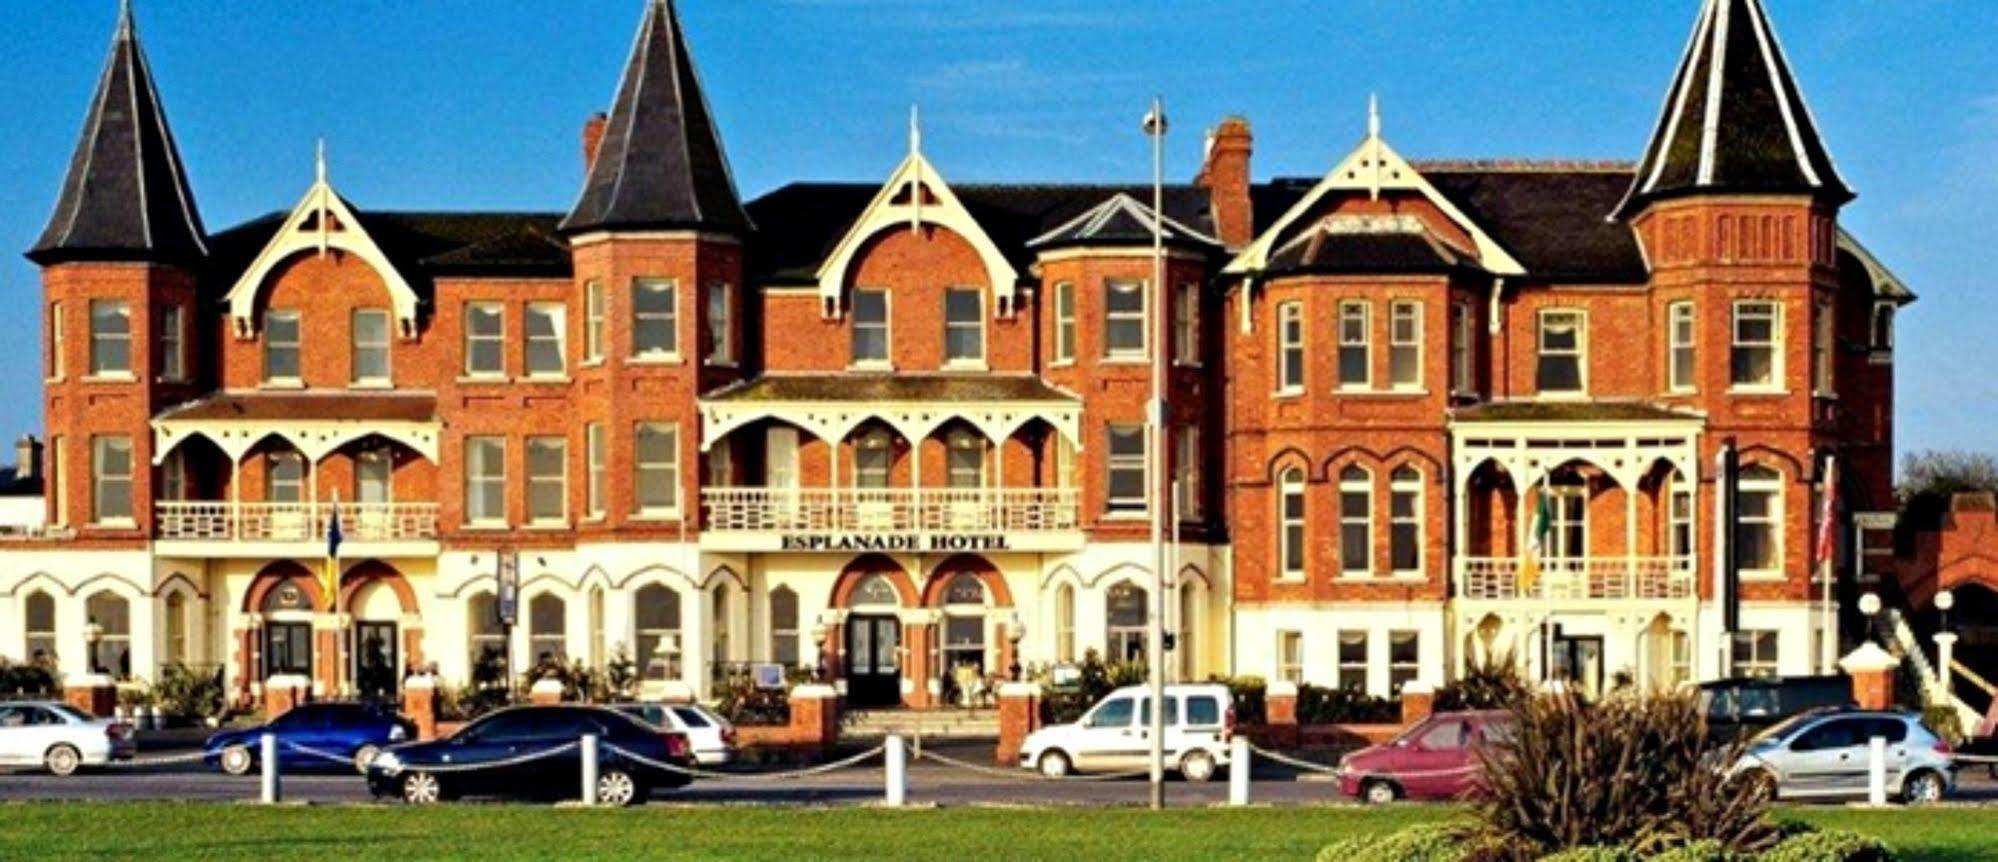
pixel 111 479
pixel 1823 369
pixel 110 337
pixel 1290 348
pixel 721 335
pixel 1064 322
pixel 657 468
pixel 1186 324
pixel 1756 361
pixel 55 341
pixel 593 321
pixel 1355 345
pixel 655 319
pixel 1680 352
pixel 173 343
pixel 1124 320
pixel 1463 347
pixel 281 346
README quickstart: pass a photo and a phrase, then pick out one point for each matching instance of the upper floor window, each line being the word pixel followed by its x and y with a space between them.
pixel 485 339
pixel 111 479
pixel 655 316
pixel 1679 522
pixel 1882 330
pixel 964 326
pixel 281 346
pixel 721 331
pixel 1405 344
pixel 1405 521
pixel 1186 471
pixel 656 468
pixel 1128 488
pixel 1680 354
pixel 1759 520
pixel 1290 347
pixel 371 345
pixel 1756 361
pixel 173 343
pixel 873 453
pixel 1290 524
pixel 285 478
pixel 594 454
pixel 545 356
pixel 1356 520
pixel 110 337
pixel 594 301
pixel 1124 319
pixel 1186 324
pixel 966 460
pixel 373 476
pixel 56 341
pixel 870 327
pixel 547 479
pixel 1064 322
pixel 1563 352
pixel 1355 345
pixel 485 480
pixel 1823 371
pixel 1463 350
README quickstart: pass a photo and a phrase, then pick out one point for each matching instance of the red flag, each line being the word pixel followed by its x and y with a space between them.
pixel 1828 516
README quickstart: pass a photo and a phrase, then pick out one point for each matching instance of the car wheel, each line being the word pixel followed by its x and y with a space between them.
pixel 1054 764
pixel 1197 767
pixel 616 789
pixel 236 760
pixel 62 760
pixel 1379 791
pixel 421 788
pixel 364 756
pixel 1922 788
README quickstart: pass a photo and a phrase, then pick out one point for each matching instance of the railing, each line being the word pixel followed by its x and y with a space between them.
pixel 888 510
pixel 293 522
pixel 1591 578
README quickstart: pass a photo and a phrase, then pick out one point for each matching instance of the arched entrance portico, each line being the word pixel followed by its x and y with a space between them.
pixel 291 630
pixel 869 654
pixel 385 634
pixel 966 613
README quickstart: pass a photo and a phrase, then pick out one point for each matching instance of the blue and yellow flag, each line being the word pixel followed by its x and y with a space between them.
pixel 329 577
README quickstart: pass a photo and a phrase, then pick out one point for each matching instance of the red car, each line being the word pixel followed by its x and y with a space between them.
pixel 1435 759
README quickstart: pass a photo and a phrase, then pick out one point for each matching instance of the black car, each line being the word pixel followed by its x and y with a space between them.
pixel 494 756
pixel 1742 707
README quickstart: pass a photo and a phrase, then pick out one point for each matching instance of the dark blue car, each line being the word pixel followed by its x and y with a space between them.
pixel 316 737
pixel 533 751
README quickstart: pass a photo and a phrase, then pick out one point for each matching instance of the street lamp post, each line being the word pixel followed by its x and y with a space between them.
pixel 1154 126
pixel 1869 605
pixel 1945 639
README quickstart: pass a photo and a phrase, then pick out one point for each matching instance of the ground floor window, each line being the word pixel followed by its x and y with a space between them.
pixel 110 633
pixel 1755 653
pixel 287 649
pixel 1352 660
pixel 658 614
pixel 1404 659
pixel 1290 657
pixel 784 626
pixel 545 625
pixel 41 616
pixel 487 640
pixel 1124 623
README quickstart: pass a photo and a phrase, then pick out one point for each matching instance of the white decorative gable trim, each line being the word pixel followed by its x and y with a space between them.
pixel 1886 285
pixel 1375 167
pixel 901 201
pixel 320 223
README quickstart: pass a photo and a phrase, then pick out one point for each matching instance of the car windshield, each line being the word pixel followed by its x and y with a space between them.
pixel 1782 728
pixel 71 712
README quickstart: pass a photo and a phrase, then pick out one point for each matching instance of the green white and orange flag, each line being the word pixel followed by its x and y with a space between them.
pixel 1536 547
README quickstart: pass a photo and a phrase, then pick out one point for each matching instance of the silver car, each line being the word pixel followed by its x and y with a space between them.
pixel 1828 753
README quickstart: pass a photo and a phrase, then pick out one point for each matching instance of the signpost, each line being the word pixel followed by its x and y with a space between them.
pixel 508 607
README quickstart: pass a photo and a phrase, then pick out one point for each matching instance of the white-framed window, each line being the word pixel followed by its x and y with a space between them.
pixel 1124 320
pixel 1754 653
pixel 485 640
pixel 1126 615
pixel 1756 360
pixel 1186 324
pixel 655 318
pixel 176 628
pixel 1064 623
pixel 873 454
pixel 1186 471
pixel 284 477
pixel 964 460
pixel 1405 344
pixel 1463 350
pixel 368 331
pixel 721 328
pixel 111 614
pixel 374 472
pixel 1356 520
pixel 1679 520
pixel 1064 321
pixel 1352 660
pixel 39 613
pixel 1064 462
pixel 110 337
pixel 173 343
pixel 1681 356
pixel 485 480
pixel 1290 348
pixel 656 468
pixel 656 609
pixel 59 479
pixel 1882 330
pixel 1356 354
pixel 1290 657
pixel 1823 367
pixel 870 327
pixel 547 630
pixel 1404 659
pixel 1568 533
pixel 547 480
pixel 784 626
pixel 1758 533
pixel 545 334
pixel 595 448
pixel 485 339
pixel 1562 368
pixel 56 341
pixel 595 300
pixel 281 346
pixel 1127 482
pixel 111 479
pixel 964 326
pixel 1405 521
pixel 1290 524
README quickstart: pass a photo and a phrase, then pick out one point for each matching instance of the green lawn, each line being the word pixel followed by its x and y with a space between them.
pixel 486 833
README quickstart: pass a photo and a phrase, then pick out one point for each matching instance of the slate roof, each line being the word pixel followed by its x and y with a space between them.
pixel 1328 248
pixel 661 163
pixel 126 195
pixel 1734 119
pixel 1121 220
pixel 423 245
pixel 892 387
pixel 1571 411
pixel 400 406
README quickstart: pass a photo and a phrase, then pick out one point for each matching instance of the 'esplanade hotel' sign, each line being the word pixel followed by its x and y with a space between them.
pixel 896 542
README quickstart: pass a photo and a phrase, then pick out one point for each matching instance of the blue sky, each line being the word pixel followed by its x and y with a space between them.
pixel 454 104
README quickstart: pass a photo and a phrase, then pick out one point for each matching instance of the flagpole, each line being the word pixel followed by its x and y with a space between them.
pixel 1155 128
pixel 1541 531
pixel 1827 638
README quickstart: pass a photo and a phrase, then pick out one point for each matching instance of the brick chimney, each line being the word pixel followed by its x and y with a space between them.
pixel 1225 176
pixel 27 458
pixel 593 137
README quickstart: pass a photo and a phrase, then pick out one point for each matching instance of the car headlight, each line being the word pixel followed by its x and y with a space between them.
pixel 397 734
pixel 387 762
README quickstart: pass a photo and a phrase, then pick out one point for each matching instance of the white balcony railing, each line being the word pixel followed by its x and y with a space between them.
pixel 1587 579
pixel 222 521
pixel 889 510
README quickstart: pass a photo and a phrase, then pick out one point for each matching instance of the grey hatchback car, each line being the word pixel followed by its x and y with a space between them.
pixel 1828 753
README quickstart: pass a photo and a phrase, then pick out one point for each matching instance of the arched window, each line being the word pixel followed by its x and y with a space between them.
pixel 486 639
pixel 1405 521
pixel 1064 625
pixel 657 610
pixel 964 588
pixel 875 590
pixel 963 626
pixel 1356 520
pixel 966 460
pixel 110 620
pixel 41 628
pixel 718 624
pixel 1290 524
pixel 784 626
pixel 547 626
pixel 176 628
pixel 1758 532
pixel 1189 619
pixel 596 608
pixel 1124 615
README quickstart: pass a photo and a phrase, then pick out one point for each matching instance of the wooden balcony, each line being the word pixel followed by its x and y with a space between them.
pixel 217 525
pixel 841 520
pixel 1591 579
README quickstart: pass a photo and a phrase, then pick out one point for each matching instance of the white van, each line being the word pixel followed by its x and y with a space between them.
pixel 1115 734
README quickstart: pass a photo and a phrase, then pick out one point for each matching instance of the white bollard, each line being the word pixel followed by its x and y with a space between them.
pixel 897 771
pixel 272 792
pixel 1238 771
pixel 588 751
pixel 1876 771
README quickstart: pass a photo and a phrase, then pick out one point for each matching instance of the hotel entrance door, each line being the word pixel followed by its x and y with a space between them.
pixel 873 662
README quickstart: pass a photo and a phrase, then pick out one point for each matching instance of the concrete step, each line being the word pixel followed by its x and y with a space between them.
pixel 939 724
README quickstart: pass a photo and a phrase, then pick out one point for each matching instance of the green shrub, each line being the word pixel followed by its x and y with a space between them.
pixel 1317 705
pixel 1429 842
pixel 1249 695
pixel 30 678
pixel 1492 682
pixel 186 694
pixel 1707 850
pixel 1594 854
pixel 1834 845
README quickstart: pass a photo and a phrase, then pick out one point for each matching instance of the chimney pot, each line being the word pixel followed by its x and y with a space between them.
pixel 1225 176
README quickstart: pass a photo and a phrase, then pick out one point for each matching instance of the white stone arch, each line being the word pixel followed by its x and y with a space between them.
pixel 193 620
pixel 724 573
pixel 595 576
pixel 1132 572
pixel 48 582
pixel 1058 574
pixel 321 222
pixel 179 581
pixel 657 572
pixel 110 581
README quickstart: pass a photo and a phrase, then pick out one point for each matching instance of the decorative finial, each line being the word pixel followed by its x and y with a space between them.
pixel 915 129
pixel 1373 115
pixel 319 161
